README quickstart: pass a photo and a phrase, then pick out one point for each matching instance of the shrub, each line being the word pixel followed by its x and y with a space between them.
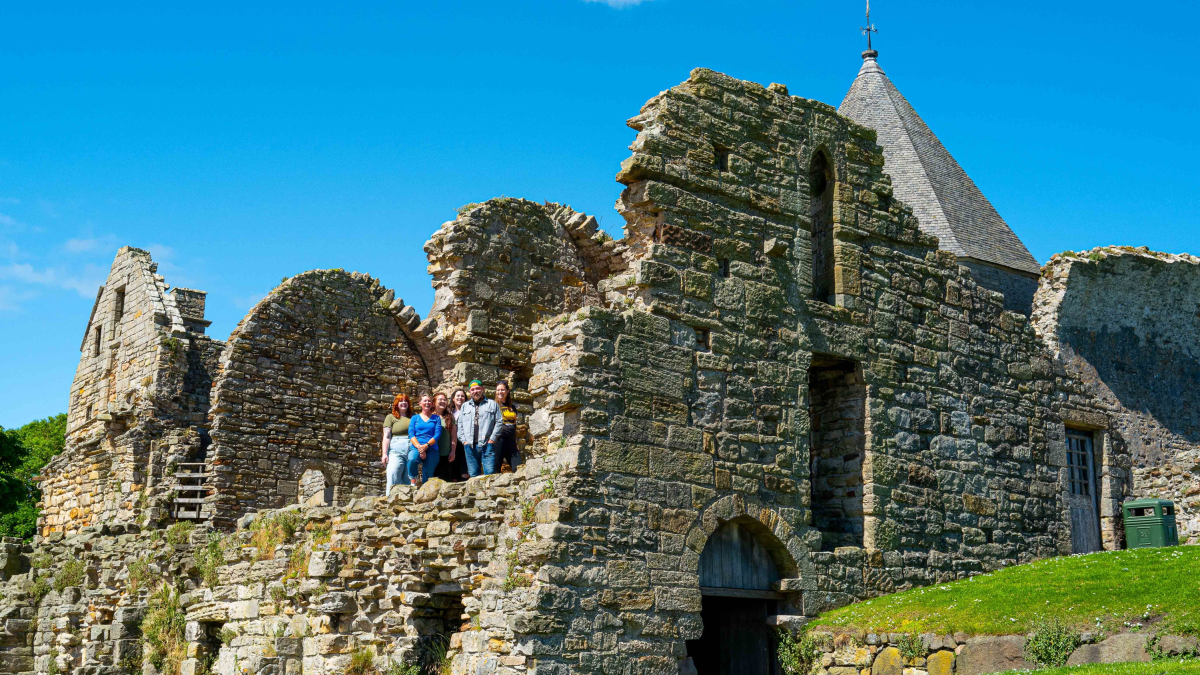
pixel 297 562
pixel 402 669
pixel 1051 643
pixel 910 646
pixel 227 635
pixel 362 662
pixel 71 574
pixel 797 656
pixel 273 531
pixel 162 630
pixel 210 558
pixel 39 589
pixel 179 532
pixel 140 574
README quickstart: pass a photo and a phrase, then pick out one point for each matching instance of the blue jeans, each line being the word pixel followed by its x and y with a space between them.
pixel 397 469
pixel 481 459
pixel 426 466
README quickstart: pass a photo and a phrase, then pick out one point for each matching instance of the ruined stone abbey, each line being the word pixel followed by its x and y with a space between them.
pixel 818 367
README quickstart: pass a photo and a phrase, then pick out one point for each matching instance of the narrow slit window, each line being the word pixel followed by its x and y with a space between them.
pixel 96 341
pixel 119 306
pixel 820 184
pixel 724 265
pixel 722 158
pixel 703 339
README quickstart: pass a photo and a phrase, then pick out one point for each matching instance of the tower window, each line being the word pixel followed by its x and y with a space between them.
pixel 703 341
pixel 724 265
pixel 119 306
pixel 820 185
pixel 96 341
pixel 722 157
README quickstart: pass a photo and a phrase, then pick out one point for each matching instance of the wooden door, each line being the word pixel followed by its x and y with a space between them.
pixel 1081 498
pixel 736 639
pixel 737 586
pixel 734 558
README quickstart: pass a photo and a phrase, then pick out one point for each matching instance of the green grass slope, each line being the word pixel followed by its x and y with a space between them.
pixel 1143 589
pixel 1167 667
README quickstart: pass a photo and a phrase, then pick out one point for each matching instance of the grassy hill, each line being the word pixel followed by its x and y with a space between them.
pixel 1168 667
pixel 1111 592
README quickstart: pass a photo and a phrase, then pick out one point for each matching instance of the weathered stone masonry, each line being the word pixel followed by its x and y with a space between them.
pixel 774 349
pixel 139 400
pixel 1125 325
pixel 305 380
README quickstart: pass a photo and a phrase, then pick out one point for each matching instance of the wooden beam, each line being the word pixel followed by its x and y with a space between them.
pixel 751 593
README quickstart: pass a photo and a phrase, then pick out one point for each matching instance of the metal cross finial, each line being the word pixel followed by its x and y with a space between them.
pixel 869 28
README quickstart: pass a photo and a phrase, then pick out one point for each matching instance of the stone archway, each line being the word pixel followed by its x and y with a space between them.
pixel 750 569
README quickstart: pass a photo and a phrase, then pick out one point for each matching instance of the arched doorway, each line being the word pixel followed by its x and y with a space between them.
pixel 739 590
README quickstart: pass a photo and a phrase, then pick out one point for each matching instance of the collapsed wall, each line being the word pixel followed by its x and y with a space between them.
pixel 140 397
pixel 1125 323
pixel 499 268
pixel 307 378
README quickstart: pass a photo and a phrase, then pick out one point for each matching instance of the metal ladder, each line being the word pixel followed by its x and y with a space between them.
pixel 190 490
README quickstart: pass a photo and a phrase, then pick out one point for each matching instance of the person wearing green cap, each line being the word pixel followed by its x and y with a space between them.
pixel 478 428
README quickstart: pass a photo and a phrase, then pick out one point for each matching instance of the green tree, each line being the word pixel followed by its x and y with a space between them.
pixel 23 453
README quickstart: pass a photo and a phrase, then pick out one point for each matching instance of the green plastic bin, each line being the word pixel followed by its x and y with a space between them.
pixel 1150 523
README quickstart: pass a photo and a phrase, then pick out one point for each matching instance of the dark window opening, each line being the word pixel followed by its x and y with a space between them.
pixel 820 185
pixel 96 341
pixel 722 157
pixel 724 265
pixel 837 396
pixel 87 413
pixel 119 306
pixel 703 339
pixel 520 378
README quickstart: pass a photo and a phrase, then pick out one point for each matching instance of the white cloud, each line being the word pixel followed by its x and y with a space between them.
pixel 91 244
pixel 619 4
pixel 11 298
pixel 9 221
pixel 247 302
pixel 161 253
pixel 84 284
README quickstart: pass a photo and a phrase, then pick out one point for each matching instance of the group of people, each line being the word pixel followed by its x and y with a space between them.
pixel 453 437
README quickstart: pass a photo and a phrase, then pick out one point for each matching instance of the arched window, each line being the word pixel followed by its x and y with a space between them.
pixel 315 488
pixel 820 185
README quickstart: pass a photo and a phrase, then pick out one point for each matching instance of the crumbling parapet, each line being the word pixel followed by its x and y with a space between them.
pixel 1122 323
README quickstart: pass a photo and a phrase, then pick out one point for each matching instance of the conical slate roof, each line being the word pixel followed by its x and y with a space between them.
pixel 925 176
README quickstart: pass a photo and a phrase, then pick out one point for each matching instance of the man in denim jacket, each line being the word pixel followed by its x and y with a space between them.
pixel 478 427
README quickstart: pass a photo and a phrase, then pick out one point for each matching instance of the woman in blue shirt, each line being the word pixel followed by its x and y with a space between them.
pixel 424 430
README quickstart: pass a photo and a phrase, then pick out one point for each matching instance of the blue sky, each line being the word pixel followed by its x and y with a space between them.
pixel 242 144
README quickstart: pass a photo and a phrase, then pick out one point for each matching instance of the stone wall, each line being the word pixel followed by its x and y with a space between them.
pixel 307 378
pixel 1018 289
pixel 144 374
pixel 302 589
pixel 1124 324
pixel 684 404
pixel 498 269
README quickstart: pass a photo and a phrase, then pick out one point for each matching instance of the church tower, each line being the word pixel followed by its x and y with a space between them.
pixel 943 197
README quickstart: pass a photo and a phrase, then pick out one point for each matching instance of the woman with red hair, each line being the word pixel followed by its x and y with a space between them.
pixel 394 453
